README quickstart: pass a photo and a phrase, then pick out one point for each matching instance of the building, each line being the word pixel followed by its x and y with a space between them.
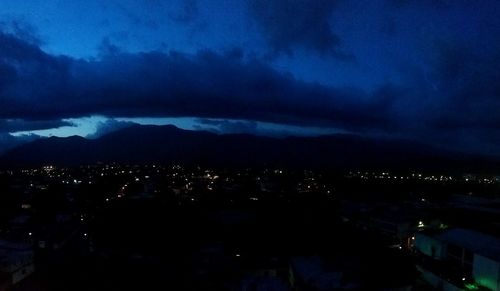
pixel 16 263
pixel 459 258
pixel 397 223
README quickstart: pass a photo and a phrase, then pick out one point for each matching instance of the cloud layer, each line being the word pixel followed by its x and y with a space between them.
pixel 441 63
pixel 36 85
pixel 300 23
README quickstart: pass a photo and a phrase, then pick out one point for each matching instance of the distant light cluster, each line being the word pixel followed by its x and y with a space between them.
pixel 468 178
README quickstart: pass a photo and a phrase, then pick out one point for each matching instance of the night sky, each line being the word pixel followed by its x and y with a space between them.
pixel 425 70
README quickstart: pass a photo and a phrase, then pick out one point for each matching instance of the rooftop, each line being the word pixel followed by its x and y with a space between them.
pixel 480 243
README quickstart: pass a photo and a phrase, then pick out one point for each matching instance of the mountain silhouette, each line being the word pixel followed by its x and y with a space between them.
pixel 143 144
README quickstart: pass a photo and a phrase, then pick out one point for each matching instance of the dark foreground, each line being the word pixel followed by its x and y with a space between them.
pixel 175 229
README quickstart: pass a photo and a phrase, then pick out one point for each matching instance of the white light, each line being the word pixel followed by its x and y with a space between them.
pixel 85 234
pixel 29 233
pixel 238 255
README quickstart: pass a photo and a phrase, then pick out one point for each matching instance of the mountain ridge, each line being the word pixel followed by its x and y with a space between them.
pixel 143 144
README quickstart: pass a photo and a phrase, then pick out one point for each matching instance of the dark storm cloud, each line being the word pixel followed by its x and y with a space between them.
pixel 467 81
pixel 40 86
pixel 288 24
pixel 107 48
pixel 135 18
pixel 213 85
pixel 30 125
pixel 30 79
pixel 21 29
pixel 188 12
pixel 455 93
pixel 421 3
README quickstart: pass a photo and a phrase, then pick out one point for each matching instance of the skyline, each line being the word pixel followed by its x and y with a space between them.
pixel 420 70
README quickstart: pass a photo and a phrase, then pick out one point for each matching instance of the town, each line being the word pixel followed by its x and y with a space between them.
pixel 141 227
